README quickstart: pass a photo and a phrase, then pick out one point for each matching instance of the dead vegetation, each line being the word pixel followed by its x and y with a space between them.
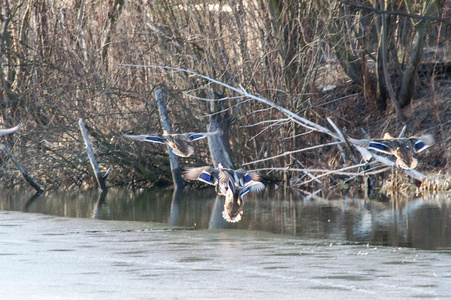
pixel 60 61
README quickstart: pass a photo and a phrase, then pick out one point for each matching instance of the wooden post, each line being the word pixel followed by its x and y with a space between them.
pixel 175 169
pixel 95 166
pixel 24 173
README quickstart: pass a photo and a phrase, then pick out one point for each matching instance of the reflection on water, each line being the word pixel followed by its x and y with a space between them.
pixel 408 222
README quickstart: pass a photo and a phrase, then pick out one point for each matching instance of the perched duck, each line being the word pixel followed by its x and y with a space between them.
pixel 9 130
pixel 402 148
pixel 233 205
pixel 177 141
pixel 233 184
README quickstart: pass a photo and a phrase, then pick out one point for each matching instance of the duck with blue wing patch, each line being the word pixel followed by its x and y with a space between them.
pixel 177 141
pixel 233 184
pixel 404 149
pixel 234 202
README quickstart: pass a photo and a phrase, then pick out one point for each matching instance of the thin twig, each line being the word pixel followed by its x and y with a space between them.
pixel 297 135
pixel 342 137
pixel 291 152
pixel 397 13
pixel 326 172
pixel 335 100
pixel 403 131
pixel 263 122
pixel 307 173
pixel 212 100
pixel 280 123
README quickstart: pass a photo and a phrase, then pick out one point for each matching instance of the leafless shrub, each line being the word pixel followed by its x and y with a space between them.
pixel 60 62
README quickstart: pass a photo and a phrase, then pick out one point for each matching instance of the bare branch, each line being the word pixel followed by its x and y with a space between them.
pixel 291 152
pixel 298 119
pixel 267 121
pixel 397 13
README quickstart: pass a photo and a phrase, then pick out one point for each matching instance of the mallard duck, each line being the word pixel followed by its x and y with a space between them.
pixel 233 205
pixel 403 149
pixel 177 141
pixel 221 177
pixel 233 184
pixel 9 130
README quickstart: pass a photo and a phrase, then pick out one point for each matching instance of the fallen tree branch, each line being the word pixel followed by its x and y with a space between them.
pixel 326 172
pixel 24 173
pixel 298 119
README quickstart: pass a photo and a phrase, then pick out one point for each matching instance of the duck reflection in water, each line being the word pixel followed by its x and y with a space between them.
pixel 233 184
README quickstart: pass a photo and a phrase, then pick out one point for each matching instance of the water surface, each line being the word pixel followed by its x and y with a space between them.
pixel 422 222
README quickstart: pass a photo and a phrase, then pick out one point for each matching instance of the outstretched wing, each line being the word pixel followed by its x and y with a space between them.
pixel 250 176
pixel 207 178
pixel 193 136
pixel 205 174
pixel 244 191
pixel 146 138
pixel 381 147
pixel 9 130
pixel 242 177
pixel 423 142
pixel 252 187
pixel 372 145
pixel 255 186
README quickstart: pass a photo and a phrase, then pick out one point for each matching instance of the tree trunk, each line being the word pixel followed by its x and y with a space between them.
pixel 409 76
pixel 384 47
pixel 219 143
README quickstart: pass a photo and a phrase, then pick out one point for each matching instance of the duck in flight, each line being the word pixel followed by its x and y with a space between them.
pixel 179 142
pixel 404 149
pixel 233 205
pixel 233 184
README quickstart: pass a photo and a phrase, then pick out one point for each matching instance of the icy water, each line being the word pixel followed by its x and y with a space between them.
pixel 154 244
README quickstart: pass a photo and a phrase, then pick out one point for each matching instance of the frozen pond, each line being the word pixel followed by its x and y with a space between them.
pixel 156 245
